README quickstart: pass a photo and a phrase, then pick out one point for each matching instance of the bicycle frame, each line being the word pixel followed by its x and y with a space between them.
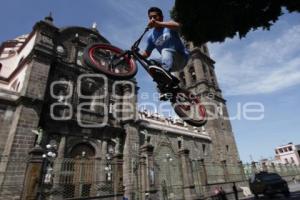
pixel 134 52
pixel 181 99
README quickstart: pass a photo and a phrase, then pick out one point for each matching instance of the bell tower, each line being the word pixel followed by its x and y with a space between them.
pixel 199 77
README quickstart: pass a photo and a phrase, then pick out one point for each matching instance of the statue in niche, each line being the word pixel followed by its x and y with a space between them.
pixel 39 136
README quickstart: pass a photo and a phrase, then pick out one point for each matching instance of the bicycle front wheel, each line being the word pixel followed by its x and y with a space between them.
pixel 189 108
pixel 108 60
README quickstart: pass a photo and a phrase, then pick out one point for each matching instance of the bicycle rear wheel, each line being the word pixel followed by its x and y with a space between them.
pixel 189 108
pixel 106 58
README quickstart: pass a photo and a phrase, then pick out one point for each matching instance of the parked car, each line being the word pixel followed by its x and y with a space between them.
pixel 268 184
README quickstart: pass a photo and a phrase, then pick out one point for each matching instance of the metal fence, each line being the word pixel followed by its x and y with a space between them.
pixel 217 172
pixel 81 177
pixel 63 179
pixel 89 177
pixel 285 170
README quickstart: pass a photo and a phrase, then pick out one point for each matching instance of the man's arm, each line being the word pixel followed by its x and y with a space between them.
pixel 164 24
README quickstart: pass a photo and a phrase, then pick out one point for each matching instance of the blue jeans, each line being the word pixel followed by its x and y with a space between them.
pixel 171 60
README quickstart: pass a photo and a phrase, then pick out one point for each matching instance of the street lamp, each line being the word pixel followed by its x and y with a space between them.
pixel 46 168
pixel 108 168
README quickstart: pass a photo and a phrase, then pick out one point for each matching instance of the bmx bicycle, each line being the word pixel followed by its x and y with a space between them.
pixel 118 64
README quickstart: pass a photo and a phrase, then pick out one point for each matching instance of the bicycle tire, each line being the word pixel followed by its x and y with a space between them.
pixel 101 61
pixel 195 116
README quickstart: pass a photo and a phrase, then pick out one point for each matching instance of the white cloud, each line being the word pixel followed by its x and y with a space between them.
pixel 271 81
pixel 260 66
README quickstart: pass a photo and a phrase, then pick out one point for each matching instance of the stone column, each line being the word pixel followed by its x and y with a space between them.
pixel 118 174
pixel 147 172
pixel 203 172
pixel 187 176
pixel 104 159
pixel 33 174
pixel 143 176
pixel 60 158
pixel 98 166
pixel 58 163
pixel 130 154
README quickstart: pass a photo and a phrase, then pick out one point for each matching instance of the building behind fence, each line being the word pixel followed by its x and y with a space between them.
pixel 49 96
pixel 287 171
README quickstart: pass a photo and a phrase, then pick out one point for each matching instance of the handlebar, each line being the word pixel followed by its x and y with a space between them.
pixel 138 41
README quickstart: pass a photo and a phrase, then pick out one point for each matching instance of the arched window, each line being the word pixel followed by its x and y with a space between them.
pixel 80 170
pixel 82 150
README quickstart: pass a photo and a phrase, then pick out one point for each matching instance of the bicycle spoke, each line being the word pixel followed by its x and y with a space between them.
pixel 111 61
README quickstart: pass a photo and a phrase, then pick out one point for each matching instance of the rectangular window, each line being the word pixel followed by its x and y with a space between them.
pixel 281 150
pixel 204 149
pixel 204 68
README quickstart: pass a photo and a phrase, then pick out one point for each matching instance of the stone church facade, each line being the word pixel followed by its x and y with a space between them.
pixel 50 100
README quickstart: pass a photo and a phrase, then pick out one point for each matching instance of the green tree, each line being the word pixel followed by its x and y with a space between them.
pixel 216 20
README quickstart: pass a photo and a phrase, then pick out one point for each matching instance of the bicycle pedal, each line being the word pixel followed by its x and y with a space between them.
pixel 165 96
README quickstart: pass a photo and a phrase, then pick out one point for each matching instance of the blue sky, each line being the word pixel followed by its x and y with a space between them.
pixel 264 67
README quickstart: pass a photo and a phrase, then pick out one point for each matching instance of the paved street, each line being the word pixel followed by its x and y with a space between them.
pixel 295 194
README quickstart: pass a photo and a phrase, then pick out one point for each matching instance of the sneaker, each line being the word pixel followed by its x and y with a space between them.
pixel 160 75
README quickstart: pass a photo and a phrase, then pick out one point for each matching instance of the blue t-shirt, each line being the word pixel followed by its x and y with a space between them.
pixel 161 38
